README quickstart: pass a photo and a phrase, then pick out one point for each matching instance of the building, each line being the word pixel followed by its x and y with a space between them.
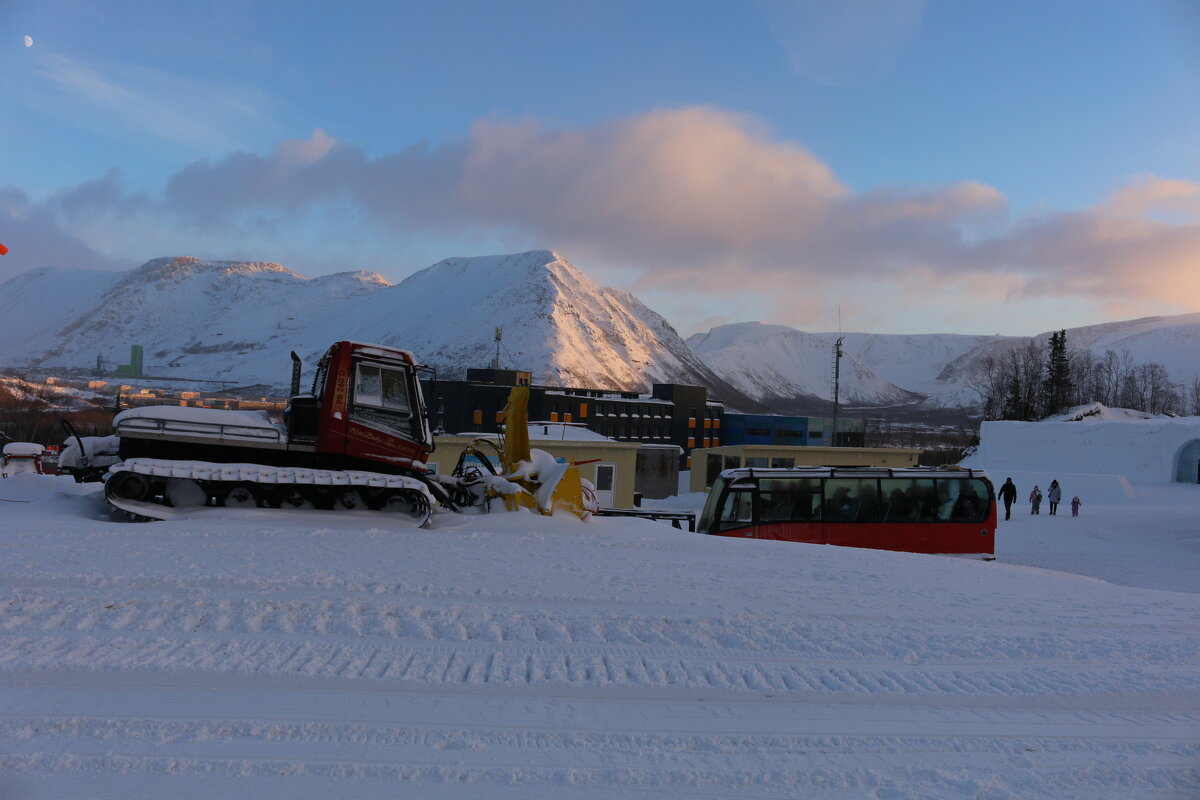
pixel 708 464
pixel 792 431
pixel 134 368
pixel 672 414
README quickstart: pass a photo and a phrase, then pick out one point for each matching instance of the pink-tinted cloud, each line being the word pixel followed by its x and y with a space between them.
pixel 700 200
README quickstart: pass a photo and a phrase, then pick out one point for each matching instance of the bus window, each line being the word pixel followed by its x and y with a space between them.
pixel 927 495
pixel 737 510
pixel 851 500
pixel 789 499
pixel 970 501
pixel 901 500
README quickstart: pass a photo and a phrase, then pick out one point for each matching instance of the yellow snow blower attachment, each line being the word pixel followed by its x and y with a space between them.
pixel 549 486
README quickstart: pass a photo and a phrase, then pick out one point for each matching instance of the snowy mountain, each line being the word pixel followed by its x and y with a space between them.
pixel 238 321
pixel 784 367
pixel 780 365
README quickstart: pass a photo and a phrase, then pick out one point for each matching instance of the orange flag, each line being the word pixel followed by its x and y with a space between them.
pixel 3 250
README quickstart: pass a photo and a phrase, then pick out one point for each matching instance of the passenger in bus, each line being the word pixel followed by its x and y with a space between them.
pixel 968 503
pixel 945 504
pixel 843 506
pixel 912 505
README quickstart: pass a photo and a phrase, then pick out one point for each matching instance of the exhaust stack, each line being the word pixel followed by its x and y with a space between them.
pixel 295 374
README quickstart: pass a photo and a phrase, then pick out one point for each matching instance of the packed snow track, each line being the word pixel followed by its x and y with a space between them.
pixel 516 656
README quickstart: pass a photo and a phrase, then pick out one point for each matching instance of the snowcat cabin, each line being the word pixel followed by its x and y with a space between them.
pixel 912 510
pixel 367 405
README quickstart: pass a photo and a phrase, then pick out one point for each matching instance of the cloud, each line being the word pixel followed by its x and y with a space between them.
pixel 1114 251
pixel 699 199
pixel 692 191
pixel 36 237
pixel 135 101
pixel 843 44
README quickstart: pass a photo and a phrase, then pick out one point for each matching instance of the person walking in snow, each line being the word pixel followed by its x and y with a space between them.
pixel 1054 496
pixel 1008 493
pixel 1075 504
pixel 1035 500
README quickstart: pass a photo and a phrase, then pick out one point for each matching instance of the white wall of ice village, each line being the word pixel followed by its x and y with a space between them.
pixel 1095 458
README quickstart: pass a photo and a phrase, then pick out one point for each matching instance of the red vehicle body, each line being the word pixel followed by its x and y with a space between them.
pixel 366 406
pixel 914 510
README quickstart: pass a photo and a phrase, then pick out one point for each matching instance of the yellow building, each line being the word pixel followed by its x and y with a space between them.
pixel 609 465
pixel 708 462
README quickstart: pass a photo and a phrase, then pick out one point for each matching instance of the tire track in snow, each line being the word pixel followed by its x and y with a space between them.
pixel 512 665
pixel 587 630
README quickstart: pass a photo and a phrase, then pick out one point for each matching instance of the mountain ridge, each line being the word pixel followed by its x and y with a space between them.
pixel 237 321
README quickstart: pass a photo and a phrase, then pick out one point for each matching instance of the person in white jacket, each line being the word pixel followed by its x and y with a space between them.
pixel 1054 496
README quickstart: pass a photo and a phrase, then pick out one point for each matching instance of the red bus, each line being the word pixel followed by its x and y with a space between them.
pixel 915 510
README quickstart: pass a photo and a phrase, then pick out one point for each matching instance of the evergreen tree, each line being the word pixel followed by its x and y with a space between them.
pixel 1057 387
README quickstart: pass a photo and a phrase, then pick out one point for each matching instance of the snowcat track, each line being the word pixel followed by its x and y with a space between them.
pixel 158 489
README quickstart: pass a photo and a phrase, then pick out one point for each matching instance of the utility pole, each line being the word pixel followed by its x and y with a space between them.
pixel 837 376
pixel 499 335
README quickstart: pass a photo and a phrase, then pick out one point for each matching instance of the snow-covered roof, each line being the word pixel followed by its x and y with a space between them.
pixel 560 431
pixel 551 431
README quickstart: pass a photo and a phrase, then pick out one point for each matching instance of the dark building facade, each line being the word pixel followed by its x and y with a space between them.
pixel 670 414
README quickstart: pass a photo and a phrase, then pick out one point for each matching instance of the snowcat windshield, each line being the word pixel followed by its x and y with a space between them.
pixel 382 399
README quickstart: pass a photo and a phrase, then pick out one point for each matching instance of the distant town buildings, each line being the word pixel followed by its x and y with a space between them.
pixel 672 413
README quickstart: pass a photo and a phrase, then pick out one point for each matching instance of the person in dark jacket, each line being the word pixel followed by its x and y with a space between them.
pixel 1008 493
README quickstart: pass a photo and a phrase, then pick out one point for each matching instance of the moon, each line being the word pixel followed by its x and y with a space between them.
pixel 29 41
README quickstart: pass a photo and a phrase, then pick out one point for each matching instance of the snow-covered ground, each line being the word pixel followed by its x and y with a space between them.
pixel 333 655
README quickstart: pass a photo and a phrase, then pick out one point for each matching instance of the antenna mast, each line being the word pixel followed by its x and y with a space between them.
pixel 499 336
pixel 837 376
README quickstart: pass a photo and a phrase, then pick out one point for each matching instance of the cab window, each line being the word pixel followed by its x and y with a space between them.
pixel 381 400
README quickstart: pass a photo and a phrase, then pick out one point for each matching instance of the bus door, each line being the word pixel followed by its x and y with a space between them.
pixel 735 516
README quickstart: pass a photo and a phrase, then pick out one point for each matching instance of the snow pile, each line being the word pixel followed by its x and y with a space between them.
pixel 1098 412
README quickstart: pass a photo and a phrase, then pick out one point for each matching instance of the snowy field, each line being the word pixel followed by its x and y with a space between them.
pixel 324 655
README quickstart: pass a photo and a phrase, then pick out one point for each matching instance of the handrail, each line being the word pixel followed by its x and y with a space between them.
pixel 220 430
pixel 675 517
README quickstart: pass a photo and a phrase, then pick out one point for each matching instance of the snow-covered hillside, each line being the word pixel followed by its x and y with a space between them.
pixel 775 361
pixel 556 322
pixel 927 370
pixel 238 321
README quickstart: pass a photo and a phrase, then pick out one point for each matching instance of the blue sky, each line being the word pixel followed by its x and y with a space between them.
pixel 945 166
